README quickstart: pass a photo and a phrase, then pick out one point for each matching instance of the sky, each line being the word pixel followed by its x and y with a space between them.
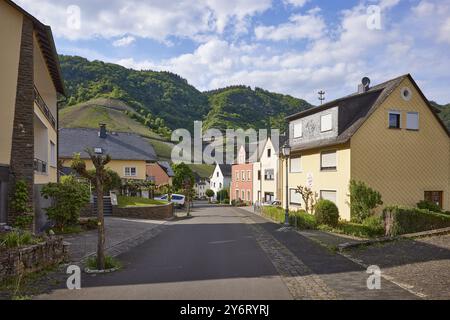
pixel 295 47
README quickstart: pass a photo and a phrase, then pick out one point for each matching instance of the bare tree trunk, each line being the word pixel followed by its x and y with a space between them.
pixel 101 227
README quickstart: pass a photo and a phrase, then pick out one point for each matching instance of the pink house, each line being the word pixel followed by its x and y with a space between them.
pixel 242 178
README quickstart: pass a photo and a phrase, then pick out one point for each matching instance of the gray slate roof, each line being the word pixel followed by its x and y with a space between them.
pixel 226 169
pixel 167 168
pixel 355 110
pixel 120 145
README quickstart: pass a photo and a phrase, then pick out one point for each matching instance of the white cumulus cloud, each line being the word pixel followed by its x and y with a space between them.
pixel 125 41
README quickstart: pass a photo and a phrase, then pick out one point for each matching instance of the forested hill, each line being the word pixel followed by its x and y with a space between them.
pixel 172 99
pixel 444 114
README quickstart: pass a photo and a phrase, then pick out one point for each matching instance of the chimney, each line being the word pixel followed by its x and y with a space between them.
pixel 364 86
pixel 102 133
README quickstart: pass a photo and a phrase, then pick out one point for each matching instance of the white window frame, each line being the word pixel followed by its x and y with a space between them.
pixel 125 169
pixel 329 190
pixel 237 175
pixel 291 191
pixel 53 155
pixel 329 127
pixel 322 168
pixel 249 175
pixel 297 129
pixel 299 170
pixel 389 119
pixel 408 127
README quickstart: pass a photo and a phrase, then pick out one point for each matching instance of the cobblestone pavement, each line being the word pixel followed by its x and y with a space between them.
pixel 421 265
pixel 337 275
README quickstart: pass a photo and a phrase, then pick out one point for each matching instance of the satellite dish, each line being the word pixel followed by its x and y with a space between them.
pixel 366 82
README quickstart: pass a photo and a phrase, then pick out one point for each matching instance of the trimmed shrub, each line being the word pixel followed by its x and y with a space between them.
pixel 326 212
pixel 375 225
pixel 363 200
pixel 428 205
pixel 302 220
pixel 403 220
pixel 222 194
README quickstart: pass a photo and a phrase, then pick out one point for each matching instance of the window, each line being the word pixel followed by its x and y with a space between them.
pixel 406 94
pixel 249 175
pixel 237 175
pixel 130 171
pixel 328 195
pixel 217 174
pixel 412 121
pixel 243 195
pixel 259 175
pixel 435 197
pixel 394 120
pixel 52 154
pixel 328 160
pixel 237 194
pixel 98 150
pixel 269 175
pixel 269 153
pixel 220 185
pixel 249 195
pixel 295 165
pixel 295 198
pixel 326 123
pixel 298 130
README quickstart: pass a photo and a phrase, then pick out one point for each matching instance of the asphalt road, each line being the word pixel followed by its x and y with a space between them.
pixel 230 254
pixel 210 256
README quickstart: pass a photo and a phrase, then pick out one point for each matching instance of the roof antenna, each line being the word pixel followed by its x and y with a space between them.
pixel 321 96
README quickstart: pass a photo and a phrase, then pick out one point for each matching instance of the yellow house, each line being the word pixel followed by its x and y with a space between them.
pixel 388 136
pixel 129 152
pixel 30 81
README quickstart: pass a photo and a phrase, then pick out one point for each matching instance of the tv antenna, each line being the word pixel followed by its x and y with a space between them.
pixel 321 96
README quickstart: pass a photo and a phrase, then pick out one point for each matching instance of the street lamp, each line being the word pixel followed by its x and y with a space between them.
pixel 286 153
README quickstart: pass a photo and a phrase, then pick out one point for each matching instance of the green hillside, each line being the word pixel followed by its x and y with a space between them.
pixel 444 114
pixel 165 99
pixel 243 107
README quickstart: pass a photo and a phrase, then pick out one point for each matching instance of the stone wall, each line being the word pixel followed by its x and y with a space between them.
pixel 32 258
pixel 22 151
pixel 151 212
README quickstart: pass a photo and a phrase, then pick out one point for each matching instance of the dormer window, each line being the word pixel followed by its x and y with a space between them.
pixel 98 150
pixel 326 123
pixel 298 130
pixel 394 120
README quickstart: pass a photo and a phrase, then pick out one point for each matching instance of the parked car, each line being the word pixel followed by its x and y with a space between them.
pixel 177 199
pixel 275 203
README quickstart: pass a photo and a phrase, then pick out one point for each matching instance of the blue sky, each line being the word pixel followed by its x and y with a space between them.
pixel 295 47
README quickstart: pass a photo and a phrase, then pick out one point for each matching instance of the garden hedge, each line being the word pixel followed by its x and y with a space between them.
pixel 402 220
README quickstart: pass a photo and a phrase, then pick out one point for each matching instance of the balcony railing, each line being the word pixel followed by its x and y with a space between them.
pixel 40 166
pixel 44 108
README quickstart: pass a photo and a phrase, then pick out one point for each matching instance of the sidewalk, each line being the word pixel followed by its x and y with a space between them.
pixel 121 234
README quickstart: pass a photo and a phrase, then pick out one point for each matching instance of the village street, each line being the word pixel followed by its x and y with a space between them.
pixel 230 253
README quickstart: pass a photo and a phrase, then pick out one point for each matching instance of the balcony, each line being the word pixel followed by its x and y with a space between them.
pixel 40 166
pixel 44 108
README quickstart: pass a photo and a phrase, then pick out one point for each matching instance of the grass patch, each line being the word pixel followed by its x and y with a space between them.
pixel 203 170
pixel 110 263
pixel 124 202
pixel 17 239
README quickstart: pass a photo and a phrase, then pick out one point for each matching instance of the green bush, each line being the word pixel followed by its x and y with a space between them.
pixel 68 198
pixel 20 205
pixel 402 220
pixel 375 225
pixel 225 201
pixel 16 239
pixel 363 200
pixel 23 221
pixel 222 194
pixel 326 212
pixel 428 205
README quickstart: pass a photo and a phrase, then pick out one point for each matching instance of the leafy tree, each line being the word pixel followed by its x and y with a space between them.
pixel 222 195
pixel 68 198
pixel 363 201
pixel 98 179
pixel 182 173
pixel 209 193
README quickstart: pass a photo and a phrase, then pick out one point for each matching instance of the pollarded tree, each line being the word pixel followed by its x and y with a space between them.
pixel 99 178
pixel 209 193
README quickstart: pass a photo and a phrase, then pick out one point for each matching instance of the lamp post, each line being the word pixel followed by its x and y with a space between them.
pixel 286 153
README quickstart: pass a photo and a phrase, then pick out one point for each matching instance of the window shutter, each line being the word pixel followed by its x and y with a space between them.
pixel 296 165
pixel 298 131
pixel 329 195
pixel 328 160
pixel 326 123
pixel 412 121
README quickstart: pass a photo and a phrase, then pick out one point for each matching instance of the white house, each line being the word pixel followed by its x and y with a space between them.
pixel 267 187
pixel 200 187
pixel 221 178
